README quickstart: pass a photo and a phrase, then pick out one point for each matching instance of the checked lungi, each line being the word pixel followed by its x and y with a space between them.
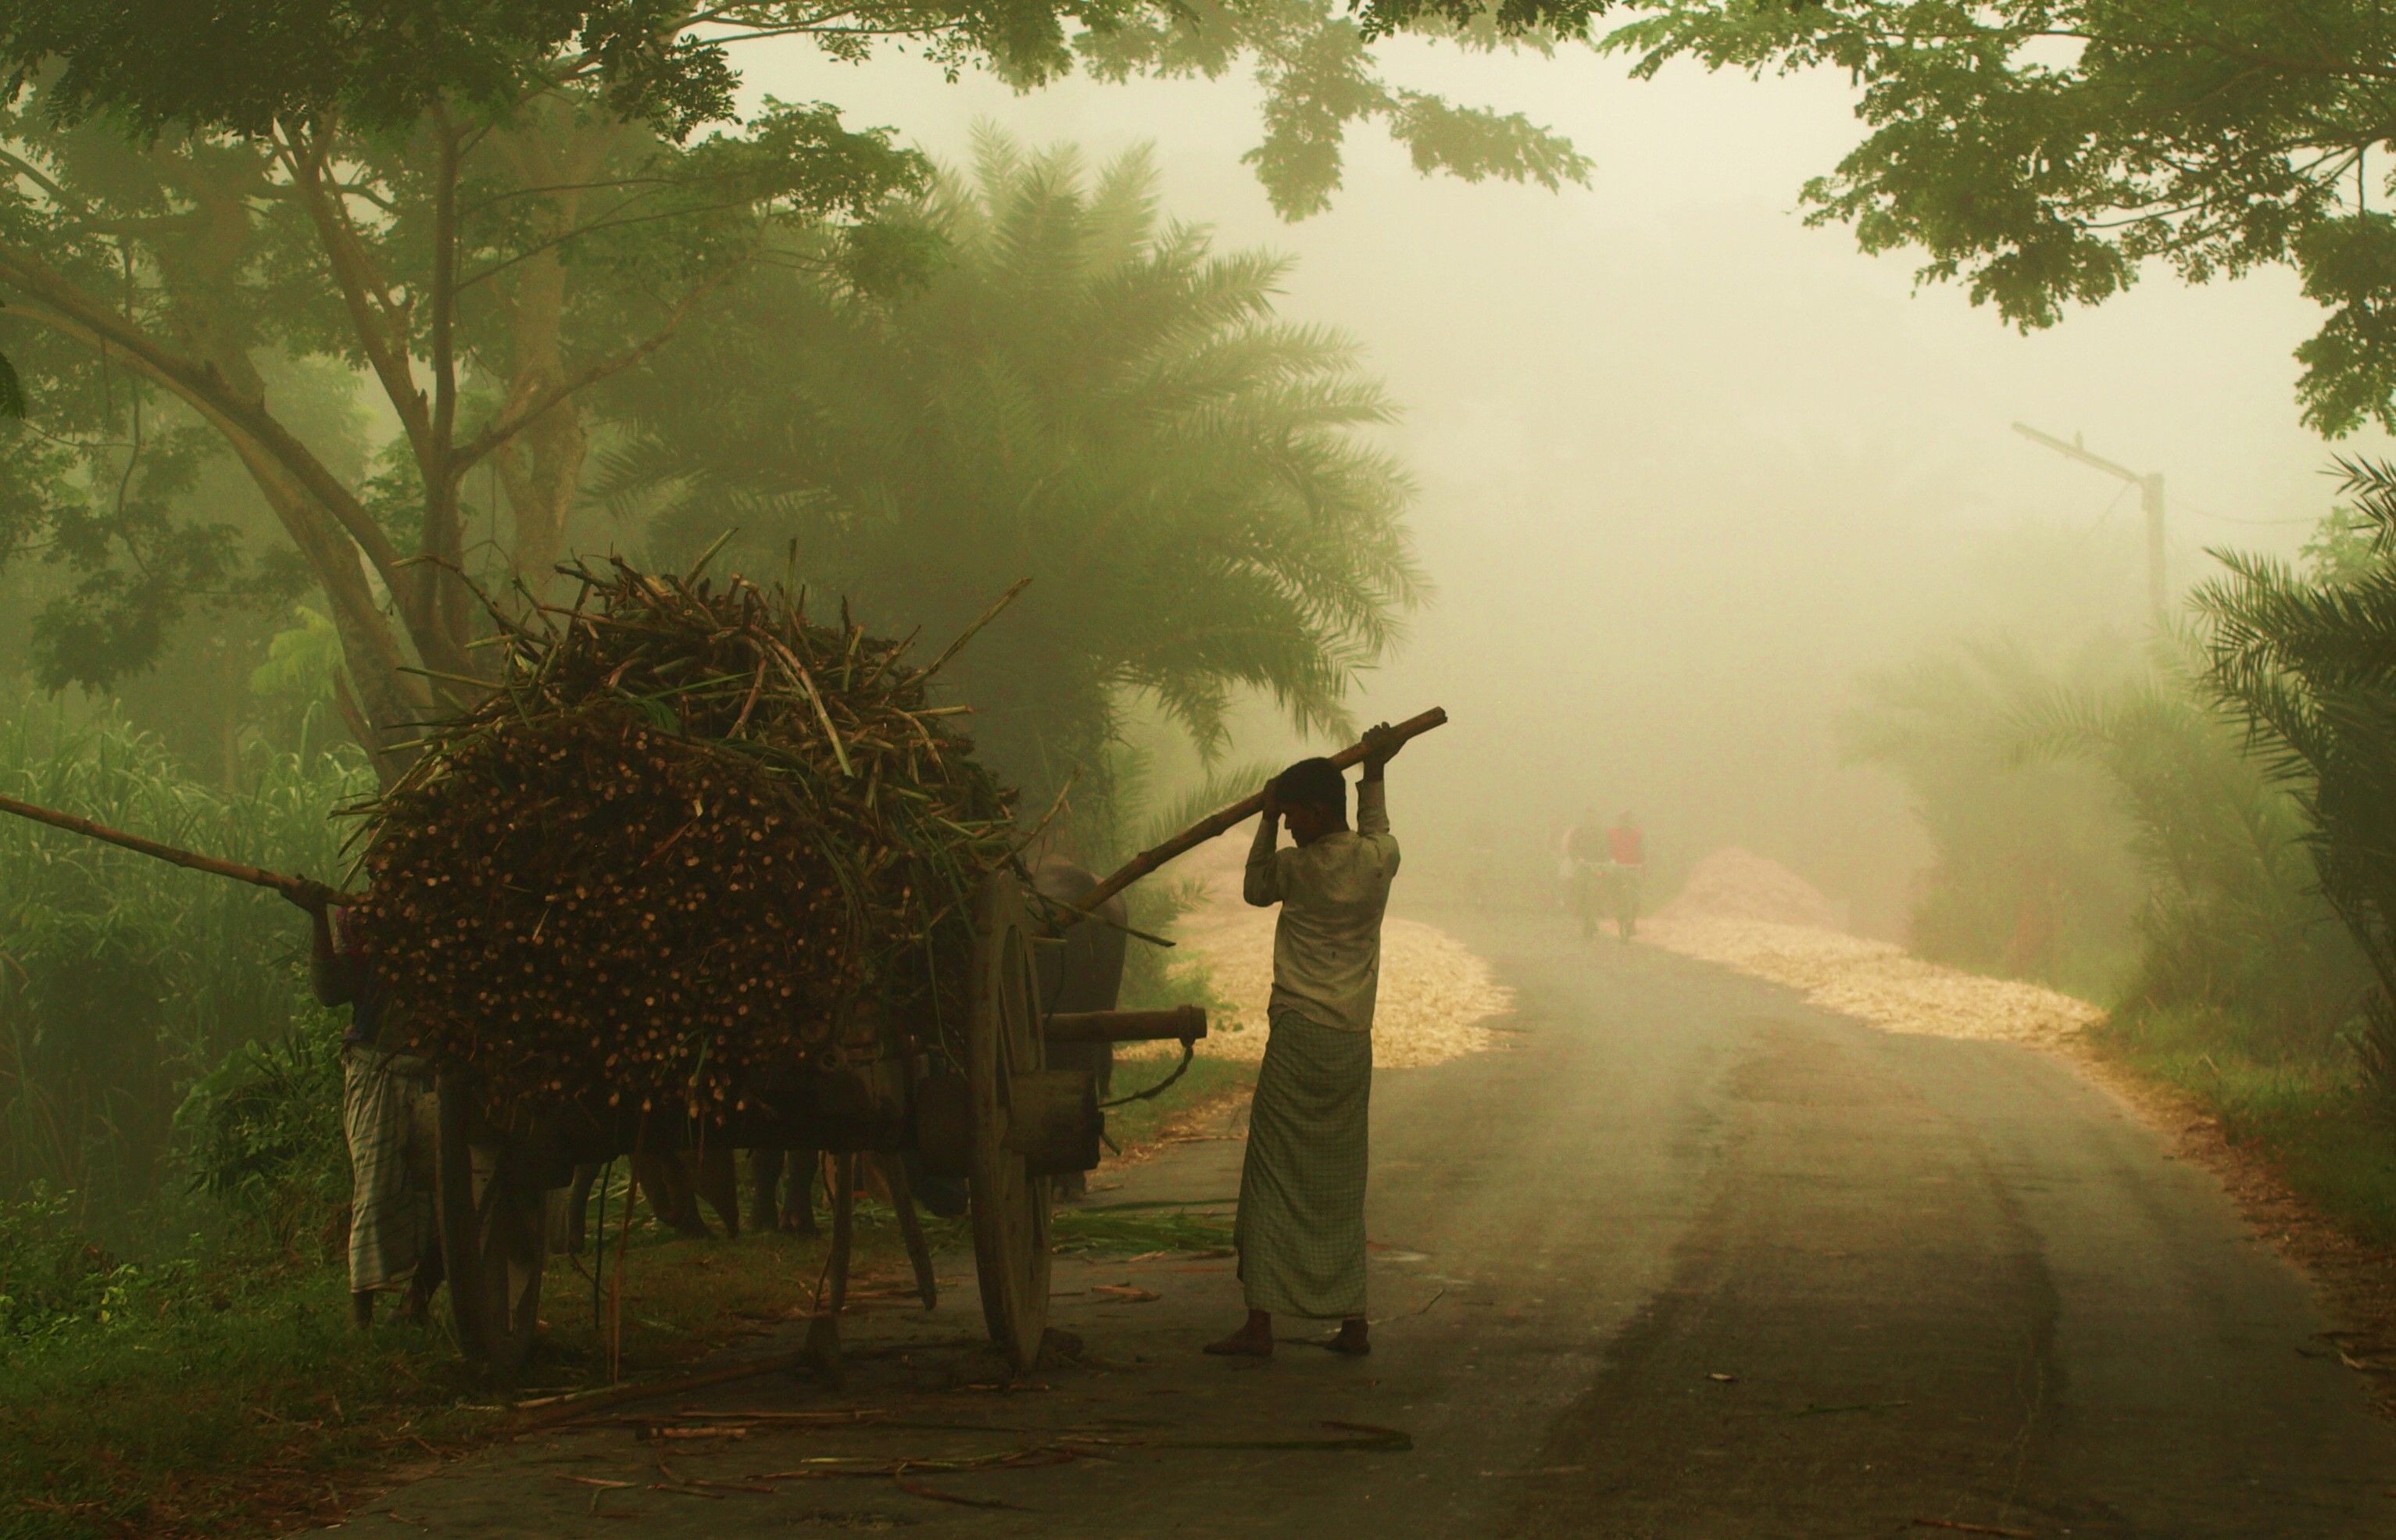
pixel 1300 1232
pixel 386 1102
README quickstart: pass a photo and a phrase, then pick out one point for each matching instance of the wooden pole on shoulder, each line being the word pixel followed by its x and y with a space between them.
pixel 1240 812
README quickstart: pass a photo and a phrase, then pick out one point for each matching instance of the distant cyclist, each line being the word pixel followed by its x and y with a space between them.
pixel 1626 851
pixel 1588 853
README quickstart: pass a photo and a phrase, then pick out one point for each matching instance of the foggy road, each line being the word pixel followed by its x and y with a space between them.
pixel 1691 1260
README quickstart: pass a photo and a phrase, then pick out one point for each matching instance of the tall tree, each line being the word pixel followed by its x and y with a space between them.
pixel 493 205
pixel 1082 392
pixel 474 259
pixel 2044 150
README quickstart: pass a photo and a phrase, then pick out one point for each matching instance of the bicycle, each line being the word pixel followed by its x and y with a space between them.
pixel 1623 897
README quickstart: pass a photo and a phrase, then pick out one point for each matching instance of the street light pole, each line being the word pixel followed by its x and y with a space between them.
pixel 2151 496
pixel 2150 493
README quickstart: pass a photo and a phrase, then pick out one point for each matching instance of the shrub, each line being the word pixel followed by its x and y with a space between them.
pixel 124 981
pixel 2233 927
pixel 263 1136
pixel 53 1280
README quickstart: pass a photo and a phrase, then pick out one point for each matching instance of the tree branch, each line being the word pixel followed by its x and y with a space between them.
pixel 73 313
pixel 594 228
pixel 441 535
pixel 520 415
pixel 381 328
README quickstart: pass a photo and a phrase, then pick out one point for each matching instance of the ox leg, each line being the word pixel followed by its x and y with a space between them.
pixel 578 1206
pixel 799 1203
pixel 765 1188
pixel 823 1332
pixel 715 1180
pixel 911 1227
pixel 665 1182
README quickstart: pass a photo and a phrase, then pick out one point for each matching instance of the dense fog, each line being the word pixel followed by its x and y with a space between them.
pixel 1687 466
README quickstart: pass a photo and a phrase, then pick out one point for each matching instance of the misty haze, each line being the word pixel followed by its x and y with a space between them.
pixel 1611 767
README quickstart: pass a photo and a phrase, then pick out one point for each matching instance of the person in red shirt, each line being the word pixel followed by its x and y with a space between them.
pixel 1625 844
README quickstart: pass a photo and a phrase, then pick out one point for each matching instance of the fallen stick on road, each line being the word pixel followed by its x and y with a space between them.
pixel 1857 1406
pixel 833 1468
pixel 859 1416
pixel 1424 1308
pixel 1975 1529
pixel 575 1404
pixel 1364 1438
pixel 600 1486
pixel 565 1408
pixel 918 1489
pixel 695 1486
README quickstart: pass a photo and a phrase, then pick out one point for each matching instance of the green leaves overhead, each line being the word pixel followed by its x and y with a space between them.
pixel 242 66
pixel 381 65
pixel 2041 151
pixel 491 211
pixel 801 158
pixel 1314 61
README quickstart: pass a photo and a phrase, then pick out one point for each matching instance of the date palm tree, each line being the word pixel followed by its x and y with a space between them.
pixel 1082 393
pixel 2308 657
pixel 2231 921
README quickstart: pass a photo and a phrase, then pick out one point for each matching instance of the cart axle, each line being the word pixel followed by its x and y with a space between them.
pixel 1184 1023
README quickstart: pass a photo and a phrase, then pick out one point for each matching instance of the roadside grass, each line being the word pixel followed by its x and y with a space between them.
pixel 253 1405
pixel 230 1397
pixel 1100 1231
pixel 1208 1081
pixel 2315 1121
pixel 198 1413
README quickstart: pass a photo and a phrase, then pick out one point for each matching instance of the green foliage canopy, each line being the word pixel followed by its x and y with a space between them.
pixel 491 210
pixel 1086 393
pixel 2042 150
pixel 483 267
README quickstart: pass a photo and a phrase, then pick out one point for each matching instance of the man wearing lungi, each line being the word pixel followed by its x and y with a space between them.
pixel 1300 1232
pixel 385 1104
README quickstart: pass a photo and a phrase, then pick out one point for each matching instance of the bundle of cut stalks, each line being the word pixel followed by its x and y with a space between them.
pixel 687 837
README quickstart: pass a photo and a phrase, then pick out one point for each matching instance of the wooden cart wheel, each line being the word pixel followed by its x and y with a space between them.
pixel 1010 1205
pixel 493 1238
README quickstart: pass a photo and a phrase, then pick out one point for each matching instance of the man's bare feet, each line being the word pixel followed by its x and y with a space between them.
pixel 1255 1339
pixel 1350 1338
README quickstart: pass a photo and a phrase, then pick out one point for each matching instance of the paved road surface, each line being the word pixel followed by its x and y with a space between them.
pixel 1691 1261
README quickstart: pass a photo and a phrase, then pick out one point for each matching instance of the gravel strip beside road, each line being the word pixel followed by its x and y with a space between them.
pixel 1877 982
pixel 1437 994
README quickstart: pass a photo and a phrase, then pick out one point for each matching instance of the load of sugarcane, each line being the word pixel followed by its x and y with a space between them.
pixel 684 845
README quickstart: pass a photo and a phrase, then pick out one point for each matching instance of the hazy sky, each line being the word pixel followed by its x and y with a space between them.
pixel 1687 465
